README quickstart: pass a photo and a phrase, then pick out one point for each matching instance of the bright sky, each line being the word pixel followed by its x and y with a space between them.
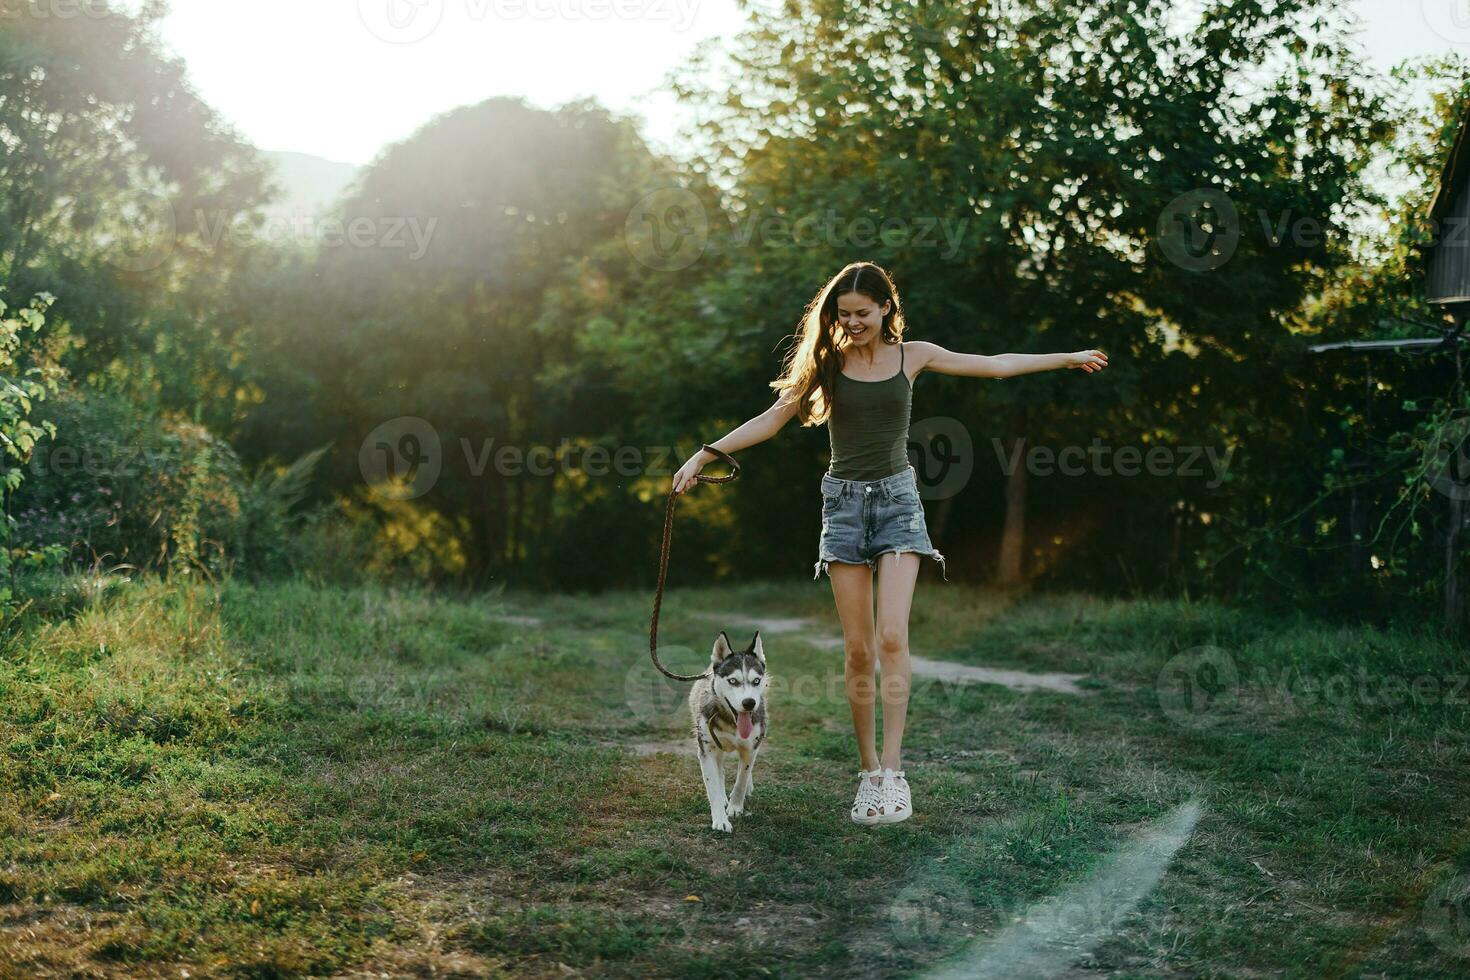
pixel 343 78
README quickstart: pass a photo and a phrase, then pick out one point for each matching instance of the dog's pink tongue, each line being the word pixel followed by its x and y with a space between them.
pixel 742 722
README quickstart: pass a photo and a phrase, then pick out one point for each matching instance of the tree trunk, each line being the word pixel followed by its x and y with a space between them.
pixel 514 542
pixel 1176 516
pixel 545 493
pixel 1358 508
pixel 941 518
pixel 1358 520
pixel 491 533
pixel 1306 530
pixel 1453 616
pixel 1013 534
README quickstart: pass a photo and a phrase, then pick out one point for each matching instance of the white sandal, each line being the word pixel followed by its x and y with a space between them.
pixel 868 798
pixel 894 799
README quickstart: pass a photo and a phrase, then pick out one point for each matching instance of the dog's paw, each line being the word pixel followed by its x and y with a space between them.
pixel 721 823
pixel 733 809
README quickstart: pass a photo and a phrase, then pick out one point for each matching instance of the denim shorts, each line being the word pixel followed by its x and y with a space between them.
pixel 864 519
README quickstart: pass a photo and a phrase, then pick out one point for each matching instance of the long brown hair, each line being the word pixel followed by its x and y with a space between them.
pixel 812 365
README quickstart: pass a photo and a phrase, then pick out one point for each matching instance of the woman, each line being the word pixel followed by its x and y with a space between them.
pixel 851 369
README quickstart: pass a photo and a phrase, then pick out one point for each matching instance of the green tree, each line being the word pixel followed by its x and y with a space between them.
pixel 1369 521
pixel 489 321
pixel 1056 139
pixel 116 182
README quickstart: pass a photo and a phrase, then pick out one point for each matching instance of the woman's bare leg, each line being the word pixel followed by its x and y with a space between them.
pixel 896 576
pixel 852 588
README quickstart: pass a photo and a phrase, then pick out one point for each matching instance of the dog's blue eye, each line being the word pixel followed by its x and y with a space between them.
pixel 734 682
pixel 756 682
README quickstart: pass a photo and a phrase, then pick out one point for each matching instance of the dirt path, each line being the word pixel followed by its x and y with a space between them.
pixel 939 670
pixel 1016 680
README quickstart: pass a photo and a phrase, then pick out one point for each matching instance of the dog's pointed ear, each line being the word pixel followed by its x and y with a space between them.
pixel 722 648
pixel 756 648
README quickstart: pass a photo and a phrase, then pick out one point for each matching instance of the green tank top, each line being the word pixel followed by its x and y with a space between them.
pixel 869 426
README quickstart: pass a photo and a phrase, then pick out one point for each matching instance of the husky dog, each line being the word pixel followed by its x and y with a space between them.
pixel 729 710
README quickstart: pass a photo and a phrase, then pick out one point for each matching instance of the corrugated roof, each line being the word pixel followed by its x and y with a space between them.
pixel 1457 168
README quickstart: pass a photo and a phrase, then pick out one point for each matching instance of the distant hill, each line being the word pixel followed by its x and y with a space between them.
pixel 311 183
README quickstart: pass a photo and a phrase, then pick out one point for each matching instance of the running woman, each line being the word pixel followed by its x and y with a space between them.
pixel 852 369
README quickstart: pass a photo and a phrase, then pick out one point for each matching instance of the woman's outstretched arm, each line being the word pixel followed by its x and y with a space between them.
pixel 934 358
pixel 753 432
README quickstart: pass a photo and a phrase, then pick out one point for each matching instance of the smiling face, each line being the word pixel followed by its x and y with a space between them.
pixel 860 318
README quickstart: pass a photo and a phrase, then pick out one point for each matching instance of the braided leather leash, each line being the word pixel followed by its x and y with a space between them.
pixel 663 564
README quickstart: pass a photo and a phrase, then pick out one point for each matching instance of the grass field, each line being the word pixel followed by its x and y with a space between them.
pixel 286 780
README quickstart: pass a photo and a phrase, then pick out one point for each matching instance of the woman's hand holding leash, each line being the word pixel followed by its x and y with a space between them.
pixel 688 473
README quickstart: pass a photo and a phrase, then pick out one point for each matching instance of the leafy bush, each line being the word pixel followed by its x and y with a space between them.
pixel 118 486
pixel 28 372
